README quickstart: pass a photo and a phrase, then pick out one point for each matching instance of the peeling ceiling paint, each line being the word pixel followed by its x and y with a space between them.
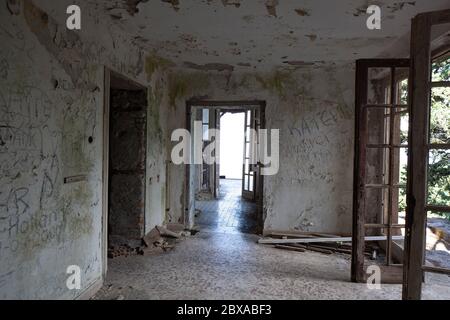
pixel 261 34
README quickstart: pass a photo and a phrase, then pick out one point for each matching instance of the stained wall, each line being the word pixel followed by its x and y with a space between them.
pixel 51 128
pixel 312 107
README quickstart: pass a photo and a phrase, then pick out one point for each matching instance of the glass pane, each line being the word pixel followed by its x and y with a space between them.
pixel 247 134
pixel 439 177
pixel 205 116
pixel 379 86
pixel 401 206
pixel 440 69
pixel 247 150
pixel 437 246
pixel 246 182
pixel 249 117
pixel 401 81
pixel 250 188
pixel 397 245
pixel 376 206
pixel 378 121
pixel 402 166
pixel 440 115
pixel 375 251
pixel 205 132
pixel 401 126
pixel 377 168
pixel 398 206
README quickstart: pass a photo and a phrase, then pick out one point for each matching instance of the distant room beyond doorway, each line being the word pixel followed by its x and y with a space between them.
pixel 229 210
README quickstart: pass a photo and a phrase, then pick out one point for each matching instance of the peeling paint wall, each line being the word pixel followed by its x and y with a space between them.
pixel 313 108
pixel 156 156
pixel 51 128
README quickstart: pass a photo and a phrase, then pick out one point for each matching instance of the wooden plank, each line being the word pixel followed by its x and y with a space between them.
pixel 287 234
pixel 326 235
pixel 298 234
pixel 437 208
pixel 318 249
pixel 317 240
pixel 436 270
pixel 383 225
pixel 309 247
pixel 437 17
pixel 439 84
pixel 334 249
pixel 290 248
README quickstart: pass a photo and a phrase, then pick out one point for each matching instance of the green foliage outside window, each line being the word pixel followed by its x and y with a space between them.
pixel 439 159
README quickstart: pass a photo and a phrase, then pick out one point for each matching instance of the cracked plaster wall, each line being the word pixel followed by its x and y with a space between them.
pixel 313 108
pixel 51 127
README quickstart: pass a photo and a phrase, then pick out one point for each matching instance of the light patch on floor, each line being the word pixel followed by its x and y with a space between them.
pixel 229 213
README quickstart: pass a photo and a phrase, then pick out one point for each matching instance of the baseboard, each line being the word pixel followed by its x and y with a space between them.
pixel 91 290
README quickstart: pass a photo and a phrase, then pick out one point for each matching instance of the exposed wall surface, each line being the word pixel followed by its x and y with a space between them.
pixel 51 128
pixel 156 169
pixel 128 146
pixel 313 109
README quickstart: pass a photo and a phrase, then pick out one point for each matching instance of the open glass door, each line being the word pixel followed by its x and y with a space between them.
pixel 427 251
pixel 381 166
pixel 217 114
pixel 205 175
pixel 248 171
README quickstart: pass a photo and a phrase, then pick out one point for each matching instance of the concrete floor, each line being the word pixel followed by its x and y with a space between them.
pixel 230 212
pixel 229 265
pixel 220 262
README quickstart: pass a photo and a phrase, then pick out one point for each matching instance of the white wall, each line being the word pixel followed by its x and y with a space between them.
pixel 313 107
pixel 231 145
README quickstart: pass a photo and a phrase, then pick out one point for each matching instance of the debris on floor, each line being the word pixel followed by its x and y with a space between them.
pixel 122 250
pixel 438 242
pixel 318 242
pixel 115 291
pixel 203 196
pixel 159 240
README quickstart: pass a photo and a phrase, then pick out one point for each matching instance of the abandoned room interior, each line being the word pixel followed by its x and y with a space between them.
pixel 224 149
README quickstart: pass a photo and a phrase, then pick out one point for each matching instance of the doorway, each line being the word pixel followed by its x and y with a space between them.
pixel 226 195
pixel 126 162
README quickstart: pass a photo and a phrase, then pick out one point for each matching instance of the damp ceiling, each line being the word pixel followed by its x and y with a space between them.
pixel 262 34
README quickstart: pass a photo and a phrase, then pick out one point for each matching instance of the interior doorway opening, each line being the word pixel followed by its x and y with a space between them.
pixel 126 162
pixel 226 193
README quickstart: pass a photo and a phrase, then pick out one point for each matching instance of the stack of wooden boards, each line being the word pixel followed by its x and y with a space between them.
pixel 318 242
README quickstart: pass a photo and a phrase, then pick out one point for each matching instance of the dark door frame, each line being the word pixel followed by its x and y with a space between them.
pixel 359 185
